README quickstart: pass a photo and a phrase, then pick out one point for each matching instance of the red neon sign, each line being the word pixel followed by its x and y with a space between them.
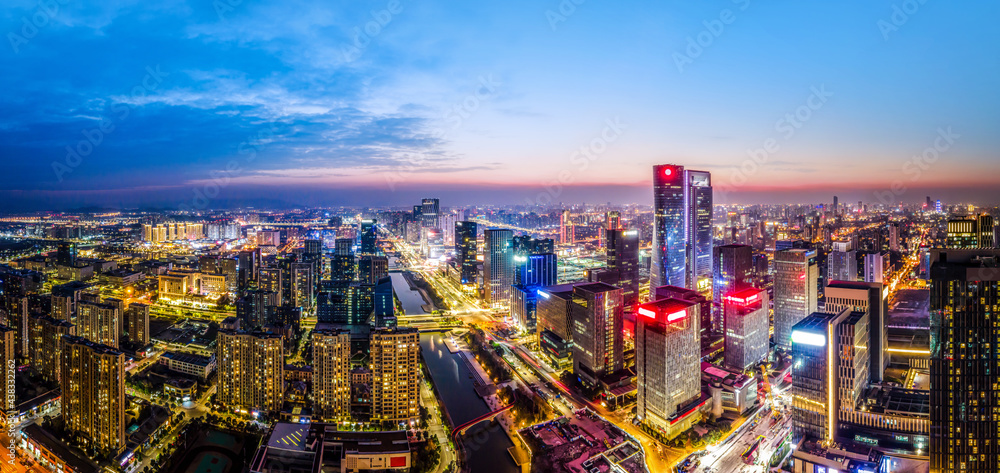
pixel 676 316
pixel 647 313
pixel 744 300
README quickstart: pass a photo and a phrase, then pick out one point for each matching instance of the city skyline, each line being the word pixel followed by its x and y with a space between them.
pixel 494 103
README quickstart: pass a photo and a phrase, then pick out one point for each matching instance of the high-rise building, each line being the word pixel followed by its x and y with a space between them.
pixel 303 285
pixel 66 254
pixel 249 264
pixel 371 268
pixel 467 250
pixel 137 316
pixel 747 328
pixel 567 232
pixel 368 237
pixel 613 220
pixel 342 263
pixel 688 295
pixel 796 276
pixel 64 299
pixel 842 262
pixel 46 345
pixel 93 393
pixel 972 232
pixel 395 358
pixel 270 279
pixel 8 351
pixel 668 365
pixel 553 320
pixel 385 309
pixel 870 299
pixel 965 403
pixel 733 272
pixel 251 370
pixel 597 314
pixel 498 267
pixel 876 265
pixel 823 345
pixel 99 323
pixel 252 309
pixel 623 261
pixel 429 211
pixel 836 206
pixel 682 228
pixel 332 375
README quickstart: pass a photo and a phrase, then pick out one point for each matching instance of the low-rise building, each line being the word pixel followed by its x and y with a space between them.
pixel 321 447
pixel 194 365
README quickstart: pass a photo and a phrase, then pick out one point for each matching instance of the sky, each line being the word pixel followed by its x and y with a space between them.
pixel 215 103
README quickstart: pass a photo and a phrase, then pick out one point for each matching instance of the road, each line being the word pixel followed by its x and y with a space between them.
pixel 727 457
pixel 21 463
pixel 437 427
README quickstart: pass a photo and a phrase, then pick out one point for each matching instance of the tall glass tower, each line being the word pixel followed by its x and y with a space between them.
pixel 682 233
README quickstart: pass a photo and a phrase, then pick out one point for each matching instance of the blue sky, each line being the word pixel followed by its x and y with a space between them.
pixel 378 101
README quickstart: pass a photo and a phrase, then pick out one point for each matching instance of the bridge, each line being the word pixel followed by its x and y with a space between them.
pixel 489 415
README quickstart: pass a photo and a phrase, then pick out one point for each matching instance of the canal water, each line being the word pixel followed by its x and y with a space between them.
pixel 411 299
pixel 485 444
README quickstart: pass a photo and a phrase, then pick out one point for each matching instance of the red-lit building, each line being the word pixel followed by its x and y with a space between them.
pixel 747 324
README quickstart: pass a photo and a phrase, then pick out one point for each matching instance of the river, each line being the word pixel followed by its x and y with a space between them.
pixel 411 299
pixel 485 444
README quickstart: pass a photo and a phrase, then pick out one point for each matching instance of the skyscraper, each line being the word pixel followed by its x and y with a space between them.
pixel 466 249
pixel 384 303
pixel 623 261
pixel 138 323
pixel 870 299
pixel 876 265
pixel 819 355
pixel 331 374
pixel 747 328
pixel 965 401
pixel 99 323
pixel 972 232
pixel 733 272
pixel 371 268
pixel 682 228
pixel 251 370
pixel 93 393
pixel 842 262
pixel 668 365
pixel 368 237
pixel 597 315
pixel 395 358
pixel 342 263
pixel 8 351
pixel 46 345
pixel 567 232
pixel 498 267
pixel 429 211
pixel 795 291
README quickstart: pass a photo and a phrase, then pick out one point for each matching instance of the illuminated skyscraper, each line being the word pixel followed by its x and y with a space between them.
pixel 371 268
pixel 876 265
pixel 251 371
pixel 597 315
pixel 429 211
pixel 747 328
pixel 46 345
pixel 970 233
pixel 138 323
pixel 498 267
pixel 99 323
pixel 965 401
pixel 682 228
pixel 342 263
pixel 93 393
pixel 869 298
pixel 796 277
pixel 467 249
pixel 368 237
pixel 7 351
pixel 332 375
pixel 623 261
pixel 567 232
pixel 396 375
pixel 842 262
pixel 668 365
pixel 733 272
